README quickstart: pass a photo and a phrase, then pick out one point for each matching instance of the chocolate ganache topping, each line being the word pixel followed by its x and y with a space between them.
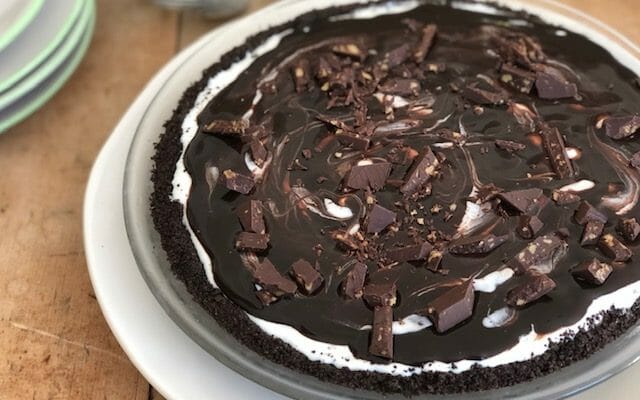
pixel 441 163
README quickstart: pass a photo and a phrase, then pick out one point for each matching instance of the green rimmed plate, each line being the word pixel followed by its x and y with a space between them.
pixel 15 16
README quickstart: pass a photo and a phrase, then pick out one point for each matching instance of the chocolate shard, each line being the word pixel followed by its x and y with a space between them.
pixel 477 245
pixel 255 132
pixel 379 218
pixel 586 212
pixel 414 252
pixel 611 247
pixel 592 271
pixel 355 141
pixel 367 176
pixel 381 341
pixel 344 239
pixel 434 261
pixel 401 87
pixel 258 152
pixel 452 307
pixel 249 241
pixel 481 96
pixel 352 50
pixel 529 226
pixel 237 182
pixel 301 75
pixel 591 233
pixel 534 288
pixel 423 169
pixel 266 298
pixel 542 250
pixel 267 276
pixel 351 286
pixel 522 201
pixel 629 229
pixel 634 161
pixel 380 294
pixel 563 198
pixel 308 278
pixel 553 143
pixel 396 56
pixel 552 85
pixel 510 146
pixel 250 215
pixel 426 41
pixel 226 127
pixel 518 78
pixel 622 127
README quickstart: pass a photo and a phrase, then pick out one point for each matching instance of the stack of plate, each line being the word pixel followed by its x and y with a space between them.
pixel 41 44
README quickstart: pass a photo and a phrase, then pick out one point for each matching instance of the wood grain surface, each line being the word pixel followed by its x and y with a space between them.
pixel 54 342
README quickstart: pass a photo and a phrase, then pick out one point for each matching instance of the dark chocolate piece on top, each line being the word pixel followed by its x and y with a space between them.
pixel 426 41
pixel 586 212
pixel 529 226
pixel 611 247
pixel 592 271
pixel 552 85
pixel 414 252
pixel 379 218
pixel 452 307
pixel 396 56
pixel 534 288
pixel 352 50
pixel 563 198
pixel 476 94
pixel 226 127
pixel 510 146
pixel 237 182
pixel 592 232
pixel 250 215
pixel 381 341
pixel 522 201
pixel 249 241
pixel 258 152
pixel 542 249
pixel 477 245
pixel 622 127
pixel 267 276
pixel 266 297
pixel 353 140
pixel 351 286
pixel 518 78
pixel 367 176
pixel 344 239
pixel 553 143
pixel 629 229
pixel 401 87
pixel 380 294
pixel 308 278
pixel 301 74
pixel 423 169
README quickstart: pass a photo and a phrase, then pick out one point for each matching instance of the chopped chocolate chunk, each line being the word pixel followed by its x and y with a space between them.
pixel 255 132
pixel 380 294
pixel 563 198
pixel 354 141
pixel 622 127
pixel 551 85
pixel 509 145
pixel 523 201
pixel 396 56
pixel 300 72
pixel 543 249
pixel 481 96
pixel 249 241
pixel 592 271
pixel 553 143
pixel 351 286
pixel 434 261
pixel 611 247
pixel 477 245
pixel 266 297
pixel 591 233
pixel 250 215
pixel 308 278
pixel 634 161
pixel 529 226
pixel 237 182
pixel 401 87
pixel 426 41
pixel 258 152
pixel 226 127
pixel 586 212
pixel 422 170
pixel 367 176
pixel 518 48
pixel 414 252
pixel 629 229
pixel 381 342
pixel 518 78
pixel 352 50
pixel 268 277
pixel 452 307
pixel 534 288
pixel 379 219
pixel 344 239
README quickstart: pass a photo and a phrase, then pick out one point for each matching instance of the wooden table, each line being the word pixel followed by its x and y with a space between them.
pixel 54 342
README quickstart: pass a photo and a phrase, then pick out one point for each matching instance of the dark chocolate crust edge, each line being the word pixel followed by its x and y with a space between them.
pixel 176 241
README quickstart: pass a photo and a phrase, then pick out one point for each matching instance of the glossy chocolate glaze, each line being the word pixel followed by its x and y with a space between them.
pixel 463 40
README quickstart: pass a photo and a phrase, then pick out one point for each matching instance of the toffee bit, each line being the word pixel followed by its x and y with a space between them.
pixel 563 198
pixel 300 73
pixel 352 50
pixel 226 127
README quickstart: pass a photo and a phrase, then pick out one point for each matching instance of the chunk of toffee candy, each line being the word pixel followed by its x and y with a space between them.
pixel 237 182
pixel 258 152
pixel 308 278
pixel 379 218
pixel 381 341
pixel 352 50
pixel 367 176
pixel 426 41
pixel 380 294
pixel 542 249
pixel 249 241
pixel 552 85
pixel 586 212
pixel 534 288
pixel 622 127
pixel 226 127
pixel 553 144
pixel 414 252
pixel 563 198
pixel 529 226
pixel 611 247
pixel 518 78
pixel 267 276
pixel 301 74
pixel 629 229
pixel 266 298
pixel 423 169
pixel 591 233
pixel 510 146
pixel 452 307
pixel 351 286
pixel 344 239
pixel 592 271
pixel 523 201
pixel 250 215
pixel 477 245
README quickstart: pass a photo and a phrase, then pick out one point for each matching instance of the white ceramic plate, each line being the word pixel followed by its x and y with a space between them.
pixel 15 15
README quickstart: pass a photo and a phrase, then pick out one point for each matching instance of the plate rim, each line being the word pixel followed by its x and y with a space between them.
pixel 21 23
